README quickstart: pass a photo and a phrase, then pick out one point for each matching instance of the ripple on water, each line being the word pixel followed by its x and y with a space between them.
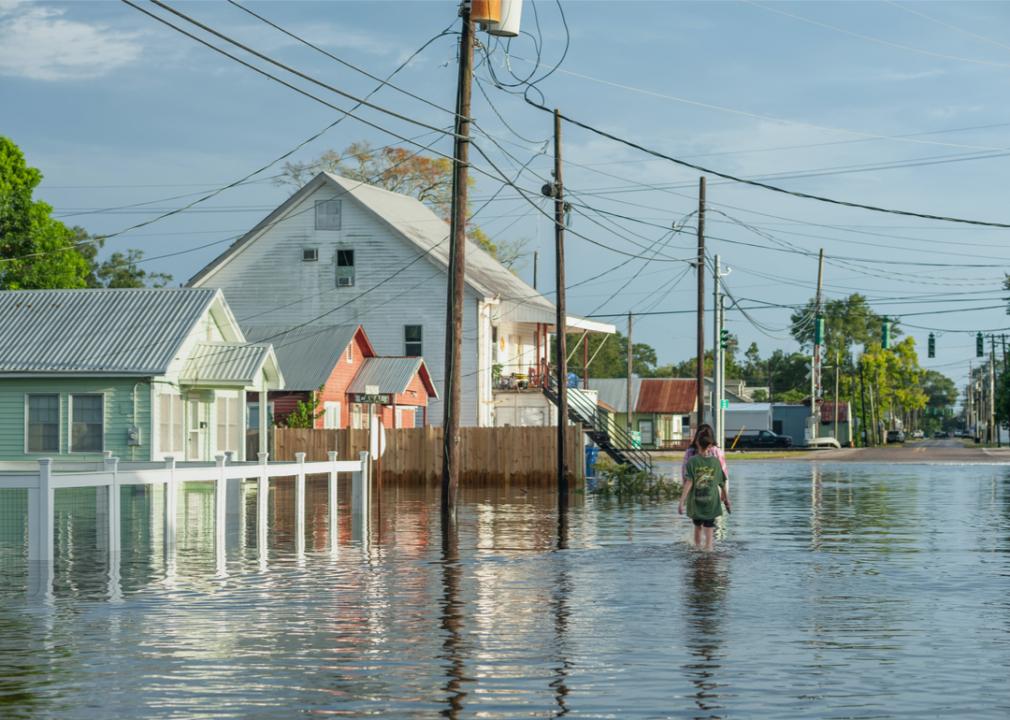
pixel 848 591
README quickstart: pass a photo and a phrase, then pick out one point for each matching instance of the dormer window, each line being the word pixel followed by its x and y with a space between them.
pixel 310 254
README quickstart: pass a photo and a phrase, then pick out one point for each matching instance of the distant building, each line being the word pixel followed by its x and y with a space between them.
pixel 664 410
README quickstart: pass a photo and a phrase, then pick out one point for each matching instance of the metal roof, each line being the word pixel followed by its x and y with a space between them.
pixel 414 221
pixel 306 355
pixel 671 396
pixel 225 363
pixel 613 392
pixel 122 331
pixel 391 375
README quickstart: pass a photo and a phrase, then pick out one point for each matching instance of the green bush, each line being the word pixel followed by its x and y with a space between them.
pixel 626 482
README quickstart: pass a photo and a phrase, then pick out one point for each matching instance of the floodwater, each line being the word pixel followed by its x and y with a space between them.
pixel 835 591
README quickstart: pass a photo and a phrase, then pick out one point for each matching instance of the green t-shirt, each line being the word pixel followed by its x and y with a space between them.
pixel 706 476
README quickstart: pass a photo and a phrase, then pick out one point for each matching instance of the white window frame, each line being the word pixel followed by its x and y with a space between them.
pixel 340 271
pixel 339 215
pixel 237 424
pixel 70 423
pixel 336 406
pixel 349 353
pixel 59 424
pixel 161 397
pixel 310 254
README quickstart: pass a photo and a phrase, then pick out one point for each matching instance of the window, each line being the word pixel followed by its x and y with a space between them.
pixel 345 268
pixel 349 352
pixel 229 425
pixel 87 423
pixel 327 214
pixel 310 254
pixel 331 415
pixel 170 421
pixel 412 340
pixel 43 423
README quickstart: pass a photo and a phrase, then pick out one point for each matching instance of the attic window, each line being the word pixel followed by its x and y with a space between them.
pixel 310 254
pixel 327 214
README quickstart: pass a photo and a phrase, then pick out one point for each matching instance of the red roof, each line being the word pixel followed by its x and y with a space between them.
pixel 668 396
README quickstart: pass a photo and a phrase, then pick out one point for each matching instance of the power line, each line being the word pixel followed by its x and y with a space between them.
pixel 764 185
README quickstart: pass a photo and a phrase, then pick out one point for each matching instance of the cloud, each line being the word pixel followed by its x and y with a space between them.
pixel 39 43
pixel 898 76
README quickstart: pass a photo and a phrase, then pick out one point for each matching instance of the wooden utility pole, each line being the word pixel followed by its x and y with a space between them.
pixel 628 383
pixel 457 268
pixel 815 360
pixel 536 261
pixel 993 427
pixel 700 374
pixel 838 360
pixel 561 321
pixel 862 405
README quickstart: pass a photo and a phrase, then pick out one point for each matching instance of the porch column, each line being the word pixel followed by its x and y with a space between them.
pixel 264 430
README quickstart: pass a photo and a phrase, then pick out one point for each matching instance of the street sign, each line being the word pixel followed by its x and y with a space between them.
pixel 371 399
pixel 724 404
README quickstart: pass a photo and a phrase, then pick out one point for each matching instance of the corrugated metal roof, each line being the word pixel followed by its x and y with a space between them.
pixel 673 396
pixel 131 331
pixel 390 374
pixel 613 392
pixel 223 362
pixel 306 355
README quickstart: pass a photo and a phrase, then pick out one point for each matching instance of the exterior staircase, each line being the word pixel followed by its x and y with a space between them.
pixel 613 440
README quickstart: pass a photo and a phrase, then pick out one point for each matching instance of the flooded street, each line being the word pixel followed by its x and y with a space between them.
pixel 835 591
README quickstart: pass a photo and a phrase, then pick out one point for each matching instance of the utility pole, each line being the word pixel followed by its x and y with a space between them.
pixel 561 321
pixel 862 404
pixel 700 374
pixel 721 437
pixel 970 398
pixel 815 360
pixel 838 357
pixel 716 353
pixel 536 261
pixel 628 383
pixel 457 268
pixel 993 428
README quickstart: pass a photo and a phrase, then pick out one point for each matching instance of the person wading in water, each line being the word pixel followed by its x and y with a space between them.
pixel 706 485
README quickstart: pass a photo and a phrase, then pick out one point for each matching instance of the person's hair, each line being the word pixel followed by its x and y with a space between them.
pixel 704 438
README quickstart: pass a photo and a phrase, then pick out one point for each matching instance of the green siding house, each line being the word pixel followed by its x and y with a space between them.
pixel 145 374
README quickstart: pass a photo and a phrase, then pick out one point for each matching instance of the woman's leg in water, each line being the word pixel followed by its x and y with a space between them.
pixel 697 535
pixel 709 537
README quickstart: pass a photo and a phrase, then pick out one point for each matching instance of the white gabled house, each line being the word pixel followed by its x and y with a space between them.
pixel 340 251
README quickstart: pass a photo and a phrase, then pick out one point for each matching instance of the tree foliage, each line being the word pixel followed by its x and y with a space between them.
pixel 39 252
pixel 429 179
pixel 611 361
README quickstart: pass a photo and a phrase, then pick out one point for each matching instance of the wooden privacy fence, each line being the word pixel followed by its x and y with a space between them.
pixel 496 454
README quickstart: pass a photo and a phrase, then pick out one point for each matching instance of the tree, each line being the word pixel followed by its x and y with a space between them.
pixel 36 251
pixel 305 414
pixel 847 322
pixel 429 179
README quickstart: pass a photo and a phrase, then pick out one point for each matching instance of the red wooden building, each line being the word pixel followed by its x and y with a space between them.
pixel 340 366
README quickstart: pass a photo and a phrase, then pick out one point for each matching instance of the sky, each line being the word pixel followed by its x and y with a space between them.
pixel 893 104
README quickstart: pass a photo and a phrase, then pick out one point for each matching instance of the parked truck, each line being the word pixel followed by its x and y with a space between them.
pixel 747 419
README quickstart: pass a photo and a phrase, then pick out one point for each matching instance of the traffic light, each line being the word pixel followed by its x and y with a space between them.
pixel 819 330
pixel 885 335
pixel 932 345
pixel 724 338
pixel 979 345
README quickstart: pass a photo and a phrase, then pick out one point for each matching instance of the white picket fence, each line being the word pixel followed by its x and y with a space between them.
pixel 43 482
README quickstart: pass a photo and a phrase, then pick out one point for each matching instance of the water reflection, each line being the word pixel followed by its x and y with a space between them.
pixel 824 576
pixel 706 585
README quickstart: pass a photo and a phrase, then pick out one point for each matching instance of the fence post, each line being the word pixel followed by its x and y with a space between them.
pixel 332 500
pixel 220 501
pixel 300 504
pixel 41 502
pixel 262 490
pixel 359 497
pixel 171 503
pixel 112 466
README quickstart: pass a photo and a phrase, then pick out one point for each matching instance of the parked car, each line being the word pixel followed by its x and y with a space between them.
pixel 940 435
pixel 761 440
pixel 895 436
pixel 918 434
pixel 824 443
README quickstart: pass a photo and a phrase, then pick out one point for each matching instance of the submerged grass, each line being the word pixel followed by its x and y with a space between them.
pixel 625 482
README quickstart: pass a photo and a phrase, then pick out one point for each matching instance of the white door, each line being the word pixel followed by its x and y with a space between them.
pixel 197 437
pixel 645 428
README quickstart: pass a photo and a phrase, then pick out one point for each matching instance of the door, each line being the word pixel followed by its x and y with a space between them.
pixel 197 437
pixel 645 428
